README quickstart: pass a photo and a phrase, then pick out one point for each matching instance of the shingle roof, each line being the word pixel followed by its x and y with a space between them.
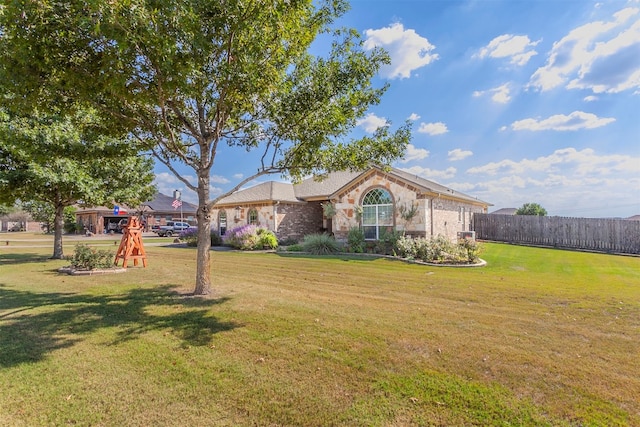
pixel 504 211
pixel 264 192
pixel 325 186
pixel 162 203
pixel 424 184
pixel 328 186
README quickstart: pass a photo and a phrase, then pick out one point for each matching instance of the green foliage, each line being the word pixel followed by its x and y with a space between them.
pixel 186 77
pixel 328 210
pixel 320 244
pixel 296 247
pixel 267 239
pixel 387 242
pixel 250 237
pixel 355 240
pixel 189 236
pixel 289 241
pixel 531 209
pixel 439 250
pixel 216 240
pixel 87 258
pixel 53 162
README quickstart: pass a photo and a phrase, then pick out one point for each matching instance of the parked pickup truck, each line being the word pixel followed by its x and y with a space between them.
pixel 172 227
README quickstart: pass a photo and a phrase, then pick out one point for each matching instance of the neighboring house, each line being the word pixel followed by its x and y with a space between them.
pixel 505 211
pixel 376 200
pixel 155 212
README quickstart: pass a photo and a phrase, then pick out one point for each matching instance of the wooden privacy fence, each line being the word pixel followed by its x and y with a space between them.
pixel 594 234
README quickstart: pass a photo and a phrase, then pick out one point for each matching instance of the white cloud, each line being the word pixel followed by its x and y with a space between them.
pixel 371 123
pixel 500 94
pixel 432 173
pixel 167 182
pixel 413 117
pixel 414 153
pixel 238 176
pixel 599 56
pixel 574 121
pixel 458 154
pixel 568 160
pixel 517 48
pixel 217 179
pixel 432 129
pixel 590 98
pixel 408 50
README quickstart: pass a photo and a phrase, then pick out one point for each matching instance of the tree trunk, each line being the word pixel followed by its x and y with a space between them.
pixel 58 225
pixel 203 259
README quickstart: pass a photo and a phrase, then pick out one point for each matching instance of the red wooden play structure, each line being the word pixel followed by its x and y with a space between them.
pixel 131 246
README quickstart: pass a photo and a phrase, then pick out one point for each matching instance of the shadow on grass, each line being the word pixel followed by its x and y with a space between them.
pixel 35 324
pixel 340 256
pixel 6 259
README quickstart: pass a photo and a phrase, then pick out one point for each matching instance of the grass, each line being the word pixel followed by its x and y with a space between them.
pixel 538 337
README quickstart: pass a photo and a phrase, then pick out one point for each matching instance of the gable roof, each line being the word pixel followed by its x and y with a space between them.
pixel 423 184
pixel 325 186
pixel 270 191
pixel 330 185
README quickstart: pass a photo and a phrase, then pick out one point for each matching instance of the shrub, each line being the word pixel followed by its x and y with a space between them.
pixel 216 240
pixel 387 242
pixel 320 244
pixel 86 258
pixel 190 236
pixel 406 247
pixel 438 250
pixel 295 248
pixel 267 239
pixel 471 249
pixel 250 237
pixel 289 241
pixel 355 240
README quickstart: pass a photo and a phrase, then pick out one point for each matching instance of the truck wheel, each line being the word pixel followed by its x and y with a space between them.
pixel 168 234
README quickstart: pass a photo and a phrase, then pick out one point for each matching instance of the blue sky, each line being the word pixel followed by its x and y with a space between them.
pixel 511 101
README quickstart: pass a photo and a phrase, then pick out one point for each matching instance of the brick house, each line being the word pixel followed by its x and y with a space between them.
pixel 376 200
pixel 158 211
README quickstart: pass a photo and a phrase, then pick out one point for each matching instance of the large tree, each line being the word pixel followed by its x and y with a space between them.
pixel 189 77
pixel 61 161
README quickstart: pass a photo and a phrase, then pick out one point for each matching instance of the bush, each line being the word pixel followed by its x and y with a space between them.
pixel 250 237
pixel 320 244
pixel 387 243
pixel 216 240
pixel 190 236
pixel 295 248
pixel 438 250
pixel 355 240
pixel 86 258
pixel 267 239
pixel 289 241
pixel 471 249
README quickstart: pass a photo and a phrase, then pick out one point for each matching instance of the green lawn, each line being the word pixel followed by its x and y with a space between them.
pixel 538 337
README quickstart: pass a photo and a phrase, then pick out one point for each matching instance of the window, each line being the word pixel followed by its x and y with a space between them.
pixel 253 217
pixel 222 222
pixel 377 213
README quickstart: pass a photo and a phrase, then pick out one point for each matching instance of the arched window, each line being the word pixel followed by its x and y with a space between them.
pixel 222 222
pixel 377 213
pixel 253 217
